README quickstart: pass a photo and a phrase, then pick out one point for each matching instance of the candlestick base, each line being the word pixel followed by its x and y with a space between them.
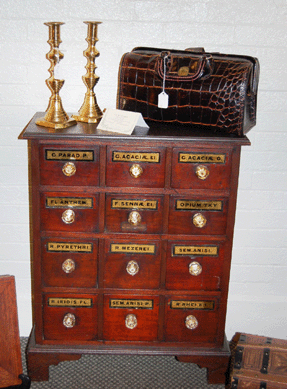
pixel 90 112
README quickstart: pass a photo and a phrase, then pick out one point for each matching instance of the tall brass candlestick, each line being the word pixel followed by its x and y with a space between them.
pixel 90 111
pixel 55 116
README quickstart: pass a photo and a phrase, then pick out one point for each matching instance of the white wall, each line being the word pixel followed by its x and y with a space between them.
pixel 257 300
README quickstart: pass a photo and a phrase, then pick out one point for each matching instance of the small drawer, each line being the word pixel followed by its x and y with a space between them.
pixel 69 166
pixel 69 262
pixel 131 317
pixel 132 264
pixel 198 169
pixel 196 216
pixel 133 166
pixel 70 212
pixel 191 319
pixel 134 213
pixel 194 265
pixel 70 317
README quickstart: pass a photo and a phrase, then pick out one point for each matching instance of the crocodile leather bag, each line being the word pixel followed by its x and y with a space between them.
pixel 214 91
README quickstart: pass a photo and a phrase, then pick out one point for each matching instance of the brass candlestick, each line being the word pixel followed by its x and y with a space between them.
pixel 55 116
pixel 90 111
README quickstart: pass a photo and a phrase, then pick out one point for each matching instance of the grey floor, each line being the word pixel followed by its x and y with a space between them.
pixel 121 372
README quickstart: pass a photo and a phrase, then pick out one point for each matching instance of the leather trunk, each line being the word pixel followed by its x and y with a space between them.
pixel 258 362
pixel 214 91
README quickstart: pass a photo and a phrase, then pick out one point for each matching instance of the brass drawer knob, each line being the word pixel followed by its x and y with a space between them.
pixel 69 169
pixel 199 220
pixel 69 320
pixel 195 268
pixel 68 266
pixel 134 218
pixel 202 172
pixel 68 216
pixel 191 322
pixel 131 321
pixel 136 170
pixel 132 268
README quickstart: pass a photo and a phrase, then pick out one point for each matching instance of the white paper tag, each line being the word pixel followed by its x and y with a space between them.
pixel 123 122
pixel 162 100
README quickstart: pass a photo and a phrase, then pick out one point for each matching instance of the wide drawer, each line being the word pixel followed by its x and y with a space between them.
pixel 70 317
pixel 132 264
pixel 191 319
pixel 69 262
pixel 69 166
pixel 131 317
pixel 70 212
pixel 198 216
pixel 194 265
pixel 134 213
pixel 198 169
pixel 134 166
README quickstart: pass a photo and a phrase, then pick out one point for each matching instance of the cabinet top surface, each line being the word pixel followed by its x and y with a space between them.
pixel 155 132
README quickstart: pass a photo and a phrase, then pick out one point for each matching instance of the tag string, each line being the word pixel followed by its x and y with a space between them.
pixel 164 72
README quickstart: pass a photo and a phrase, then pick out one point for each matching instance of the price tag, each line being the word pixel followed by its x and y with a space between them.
pixel 162 100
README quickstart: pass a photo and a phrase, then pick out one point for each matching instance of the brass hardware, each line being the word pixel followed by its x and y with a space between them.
pixel 69 169
pixel 69 320
pixel 183 71
pixel 131 321
pixel 195 250
pixel 132 268
pixel 90 111
pixel 70 247
pixel 68 216
pixel 134 218
pixel 199 220
pixel 190 304
pixel 202 172
pixel 75 202
pixel 138 204
pixel 214 205
pixel 201 158
pixel 68 266
pixel 135 157
pixel 191 322
pixel 133 248
pixel 68 155
pixel 194 268
pixel 55 116
pixel 69 302
pixel 136 170
pixel 128 303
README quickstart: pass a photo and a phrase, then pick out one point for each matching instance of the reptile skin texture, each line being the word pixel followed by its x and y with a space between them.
pixel 210 90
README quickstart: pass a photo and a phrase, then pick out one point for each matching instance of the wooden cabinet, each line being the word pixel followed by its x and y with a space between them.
pixel 132 239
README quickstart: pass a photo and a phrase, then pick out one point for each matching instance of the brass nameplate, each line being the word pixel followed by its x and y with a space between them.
pixel 142 304
pixel 69 155
pixel 138 204
pixel 195 250
pixel 175 304
pixel 69 302
pixel 201 158
pixel 75 202
pixel 199 205
pixel 135 157
pixel 70 247
pixel 133 248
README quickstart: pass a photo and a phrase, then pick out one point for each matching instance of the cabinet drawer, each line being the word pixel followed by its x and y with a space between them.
pixel 194 265
pixel 134 213
pixel 198 216
pixel 134 166
pixel 132 264
pixel 69 166
pixel 191 319
pixel 131 317
pixel 70 317
pixel 70 212
pixel 69 262
pixel 198 169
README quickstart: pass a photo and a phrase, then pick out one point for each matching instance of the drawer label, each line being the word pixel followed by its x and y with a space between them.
pixel 195 250
pixel 133 248
pixel 135 157
pixel 68 155
pixel 70 247
pixel 128 303
pixel 201 158
pixel 138 204
pixel 69 302
pixel 199 205
pixel 75 202
pixel 186 304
